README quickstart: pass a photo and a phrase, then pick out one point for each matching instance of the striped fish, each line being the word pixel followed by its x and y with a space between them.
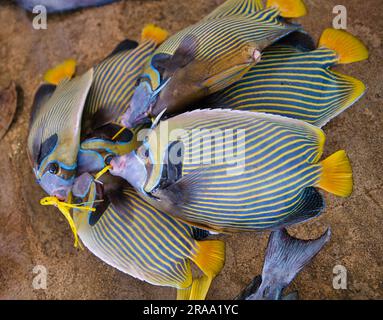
pixel 147 244
pixel 235 170
pixel 128 233
pixel 206 57
pixel 109 96
pixel 297 84
pixel 54 133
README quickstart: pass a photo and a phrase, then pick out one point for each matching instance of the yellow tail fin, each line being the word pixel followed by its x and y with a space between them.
pixel 348 47
pixel 184 294
pixel 210 258
pixel 336 174
pixel 154 33
pixel 289 8
pixel 64 70
pixel 200 287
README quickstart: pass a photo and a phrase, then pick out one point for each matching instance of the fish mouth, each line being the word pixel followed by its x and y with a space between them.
pixel 130 168
pixel 61 193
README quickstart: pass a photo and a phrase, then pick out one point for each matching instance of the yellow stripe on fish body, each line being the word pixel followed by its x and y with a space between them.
pixel 235 7
pixel 268 178
pixel 293 83
pixel 137 239
pixel 220 37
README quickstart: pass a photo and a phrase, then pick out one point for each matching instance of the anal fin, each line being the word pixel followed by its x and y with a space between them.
pixel 310 206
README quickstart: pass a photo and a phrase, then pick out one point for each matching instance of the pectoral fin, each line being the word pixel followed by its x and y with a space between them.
pixel 181 191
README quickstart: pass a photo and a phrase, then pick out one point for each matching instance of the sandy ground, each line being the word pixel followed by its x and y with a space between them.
pixel 32 235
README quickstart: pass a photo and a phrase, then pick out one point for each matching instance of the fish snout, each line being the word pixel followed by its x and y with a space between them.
pixel 139 106
pixel 61 194
pixel 118 164
pixel 130 168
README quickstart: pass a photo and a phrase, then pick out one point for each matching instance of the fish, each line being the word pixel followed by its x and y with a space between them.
pixel 285 257
pixel 229 170
pixel 116 76
pixel 8 106
pixel 109 96
pixel 196 62
pixel 66 112
pixel 298 83
pixel 137 239
pixel 54 133
pixel 55 6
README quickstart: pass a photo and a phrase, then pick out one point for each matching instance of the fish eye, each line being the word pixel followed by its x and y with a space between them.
pixel 108 158
pixel 53 168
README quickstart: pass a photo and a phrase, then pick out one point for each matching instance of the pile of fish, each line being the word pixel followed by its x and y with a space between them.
pixel 215 129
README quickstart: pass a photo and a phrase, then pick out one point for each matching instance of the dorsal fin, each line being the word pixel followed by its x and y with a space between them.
pixel 300 40
pixel 124 45
pixel 184 54
pixel 43 93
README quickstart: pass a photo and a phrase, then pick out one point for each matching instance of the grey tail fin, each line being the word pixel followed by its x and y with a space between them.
pixel 286 256
pixel 250 289
pixel 291 296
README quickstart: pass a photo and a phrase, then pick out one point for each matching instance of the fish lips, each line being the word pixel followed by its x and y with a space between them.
pixel 56 186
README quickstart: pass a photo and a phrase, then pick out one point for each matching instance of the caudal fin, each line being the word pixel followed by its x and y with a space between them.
pixel 64 70
pixel 348 48
pixel 286 256
pixel 336 174
pixel 288 8
pixel 154 33
pixel 210 258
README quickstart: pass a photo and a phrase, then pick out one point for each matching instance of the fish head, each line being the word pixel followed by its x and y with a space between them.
pixel 140 105
pixel 90 193
pixel 187 79
pixel 131 168
pixel 54 133
pixel 55 179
